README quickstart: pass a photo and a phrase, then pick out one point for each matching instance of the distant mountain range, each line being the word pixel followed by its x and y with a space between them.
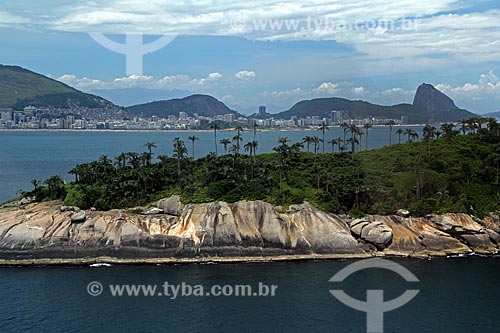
pixel 135 96
pixel 20 87
pixel 492 115
pixel 429 106
pixel 204 105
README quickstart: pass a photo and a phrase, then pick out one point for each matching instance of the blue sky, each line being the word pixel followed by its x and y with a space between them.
pixel 267 52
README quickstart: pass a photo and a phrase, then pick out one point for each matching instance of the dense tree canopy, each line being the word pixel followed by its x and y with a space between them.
pixel 456 171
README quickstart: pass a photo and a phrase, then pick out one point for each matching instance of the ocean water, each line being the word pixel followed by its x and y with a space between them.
pixel 25 156
pixel 456 295
pixel 459 294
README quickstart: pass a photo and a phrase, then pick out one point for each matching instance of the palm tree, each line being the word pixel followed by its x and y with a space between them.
pixel 121 161
pixel 149 146
pixel 407 132
pixel 134 160
pixel 237 138
pixel 429 132
pixel 226 142
pixel 248 148
pixel 345 127
pixel 333 142
pixel 353 141
pixel 414 135
pixel 323 127
pixel 37 183
pixel 367 126
pixel 308 140
pixel 448 131
pixel 180 152
pixel 315 140
pixel 193 138
pixel 340 143
pixel 255 145
pixel 55 186
pixel 390 124
pixel 355 131
pixel 254 126
pixel 411 134
pixel 400 132
pixel 215 127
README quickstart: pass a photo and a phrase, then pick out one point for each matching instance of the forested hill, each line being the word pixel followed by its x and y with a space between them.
pixel 20 87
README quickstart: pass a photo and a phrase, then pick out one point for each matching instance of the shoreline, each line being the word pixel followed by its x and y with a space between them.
pixel 285 129
pixel 75 262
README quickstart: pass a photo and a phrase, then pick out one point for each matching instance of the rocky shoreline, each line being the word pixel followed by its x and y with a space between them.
pixel 169 232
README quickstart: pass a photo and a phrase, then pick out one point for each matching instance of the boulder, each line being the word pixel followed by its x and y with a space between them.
pixel 374 232
pixel 378 234
pixel 358 225
pixel 78 217
pixel 171 206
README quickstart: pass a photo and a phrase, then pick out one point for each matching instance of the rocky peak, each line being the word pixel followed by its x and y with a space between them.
pixel 429 98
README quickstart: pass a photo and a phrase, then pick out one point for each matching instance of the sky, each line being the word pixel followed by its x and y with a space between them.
pixel 251 53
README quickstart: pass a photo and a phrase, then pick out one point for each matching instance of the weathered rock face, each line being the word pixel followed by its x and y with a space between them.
pixel 246 228
pixel 376 233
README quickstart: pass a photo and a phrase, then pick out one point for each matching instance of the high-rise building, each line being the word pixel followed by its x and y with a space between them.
pixel 18 117
pixel 183 115
pixel 229 118
pixel 6 114
pixel 29 111
pixel 262 110
pixel 404 120
pixel 70 119
pixel 337 117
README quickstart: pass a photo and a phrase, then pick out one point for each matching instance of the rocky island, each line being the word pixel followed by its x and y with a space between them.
pixel 171 232
pixel 435 197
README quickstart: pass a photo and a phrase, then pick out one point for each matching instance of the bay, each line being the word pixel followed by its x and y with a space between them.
pixel 28 155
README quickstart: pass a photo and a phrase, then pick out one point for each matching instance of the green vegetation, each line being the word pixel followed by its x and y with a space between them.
pixel 203 105
pixel 450 170
pixel 20 87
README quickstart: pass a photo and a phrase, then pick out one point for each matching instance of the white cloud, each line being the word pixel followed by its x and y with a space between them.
pixel 358 90
pixel 7 19
pixel 214 76
pixel 144 81
pixel 82 83
pixel 243 75
pixel 488 84
pixel 133 80
pixel 457 38
pixel 329 88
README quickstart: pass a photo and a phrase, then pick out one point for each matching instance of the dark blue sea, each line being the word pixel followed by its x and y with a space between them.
pixel 456 295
